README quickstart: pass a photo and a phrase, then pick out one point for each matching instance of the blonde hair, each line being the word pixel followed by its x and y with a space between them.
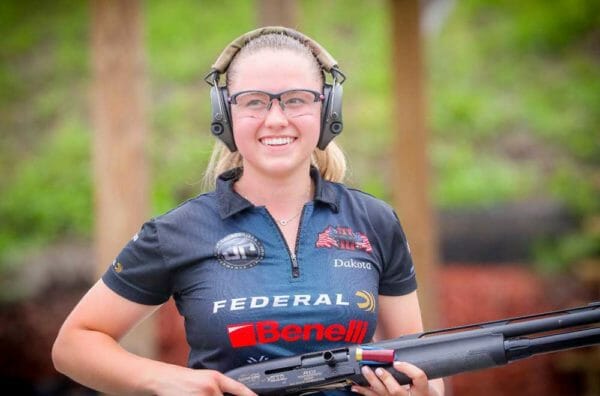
pixel 330 162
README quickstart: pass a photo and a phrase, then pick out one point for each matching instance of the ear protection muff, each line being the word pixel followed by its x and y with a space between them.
pixel 331 113
pixel 331 116
pixel 221 118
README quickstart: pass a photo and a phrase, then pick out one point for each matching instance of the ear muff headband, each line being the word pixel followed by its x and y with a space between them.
pixel 224 60
pixel 331 115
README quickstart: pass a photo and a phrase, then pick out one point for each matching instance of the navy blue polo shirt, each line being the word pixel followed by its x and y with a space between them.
pixel 244 295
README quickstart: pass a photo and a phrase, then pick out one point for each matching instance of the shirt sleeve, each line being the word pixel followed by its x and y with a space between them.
pixel 139 272
pixel 398 277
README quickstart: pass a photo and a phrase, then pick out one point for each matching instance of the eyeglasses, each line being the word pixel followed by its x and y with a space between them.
pixel 294 102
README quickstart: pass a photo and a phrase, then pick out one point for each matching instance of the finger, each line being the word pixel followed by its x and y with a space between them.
pixel 418 377
pixel 393 387
pixel 234 387
pixel 363 390
pixel 376 385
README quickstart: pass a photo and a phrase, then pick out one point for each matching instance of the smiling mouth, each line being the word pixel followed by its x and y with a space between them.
pixel 277 141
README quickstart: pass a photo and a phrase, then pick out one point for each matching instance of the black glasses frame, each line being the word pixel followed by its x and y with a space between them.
pixel 318 96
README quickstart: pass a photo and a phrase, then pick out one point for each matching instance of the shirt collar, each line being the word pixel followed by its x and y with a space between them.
pixel 230 202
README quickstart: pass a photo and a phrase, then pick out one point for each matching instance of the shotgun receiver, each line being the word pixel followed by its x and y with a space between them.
pixel 438 353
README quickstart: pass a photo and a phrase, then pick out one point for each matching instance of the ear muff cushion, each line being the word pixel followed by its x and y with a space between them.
pixel 325 107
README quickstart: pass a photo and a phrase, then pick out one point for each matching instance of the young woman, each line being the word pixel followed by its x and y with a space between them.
pixel 279 259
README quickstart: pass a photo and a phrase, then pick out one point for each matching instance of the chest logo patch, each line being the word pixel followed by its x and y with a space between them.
pixel 343 238
pixel 239 251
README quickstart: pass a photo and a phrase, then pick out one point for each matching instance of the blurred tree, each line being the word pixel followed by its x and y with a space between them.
pixel 120 128
pixel 411 182
pixel 277 13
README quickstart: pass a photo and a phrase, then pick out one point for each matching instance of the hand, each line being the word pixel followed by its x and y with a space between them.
pixel 382 383
pixel 184 381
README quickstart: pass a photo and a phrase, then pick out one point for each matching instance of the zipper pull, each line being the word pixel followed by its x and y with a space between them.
pixel 295 266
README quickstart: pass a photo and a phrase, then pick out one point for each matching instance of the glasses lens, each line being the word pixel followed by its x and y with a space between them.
pixel 298 102
pixel 252 103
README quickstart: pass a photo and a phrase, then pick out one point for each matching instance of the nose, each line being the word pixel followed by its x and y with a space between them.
pixel 275 115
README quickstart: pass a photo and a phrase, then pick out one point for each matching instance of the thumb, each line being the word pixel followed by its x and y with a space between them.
pixel 233 387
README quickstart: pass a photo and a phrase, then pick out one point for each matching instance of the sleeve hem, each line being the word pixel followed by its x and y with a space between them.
pixel 131 292
pixel 407 285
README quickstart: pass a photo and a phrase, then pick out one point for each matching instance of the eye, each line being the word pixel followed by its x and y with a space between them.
pixel 253 100
pixel 255 103
pixel 297 98
pixel 295 101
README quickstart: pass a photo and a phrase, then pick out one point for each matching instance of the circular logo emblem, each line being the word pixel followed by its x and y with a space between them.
pixel 239 251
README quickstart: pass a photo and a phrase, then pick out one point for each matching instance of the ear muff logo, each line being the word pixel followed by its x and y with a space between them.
pixel 368 301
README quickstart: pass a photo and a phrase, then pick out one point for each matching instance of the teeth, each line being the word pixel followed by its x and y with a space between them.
pixel 278 141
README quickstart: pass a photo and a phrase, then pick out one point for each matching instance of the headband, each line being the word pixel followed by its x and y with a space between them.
pixel 328 63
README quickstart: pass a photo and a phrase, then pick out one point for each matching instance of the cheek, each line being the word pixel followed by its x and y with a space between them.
pixel 310 127
pixel 242 125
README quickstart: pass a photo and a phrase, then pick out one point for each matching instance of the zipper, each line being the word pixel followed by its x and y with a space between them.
pixel 293 258
pixel 295 266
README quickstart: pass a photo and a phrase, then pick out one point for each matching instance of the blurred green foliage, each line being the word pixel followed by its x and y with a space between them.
pixel 513 98
pixel 49 196
pixel 515 109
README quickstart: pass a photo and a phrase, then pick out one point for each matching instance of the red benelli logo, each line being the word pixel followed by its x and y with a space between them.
pixel 269 331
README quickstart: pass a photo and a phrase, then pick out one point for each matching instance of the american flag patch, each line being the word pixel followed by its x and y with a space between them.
pixel 343 238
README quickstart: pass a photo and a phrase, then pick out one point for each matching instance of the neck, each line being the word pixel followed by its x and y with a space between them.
pixel 274 191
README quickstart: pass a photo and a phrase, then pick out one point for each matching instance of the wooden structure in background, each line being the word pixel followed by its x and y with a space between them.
pixel 119 121
pixel 410 191
pixel 277 13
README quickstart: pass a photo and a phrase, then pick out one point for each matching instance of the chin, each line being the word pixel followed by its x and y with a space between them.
pixel 281 167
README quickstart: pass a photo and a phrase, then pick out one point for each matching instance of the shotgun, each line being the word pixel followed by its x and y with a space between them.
pixel 438 353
